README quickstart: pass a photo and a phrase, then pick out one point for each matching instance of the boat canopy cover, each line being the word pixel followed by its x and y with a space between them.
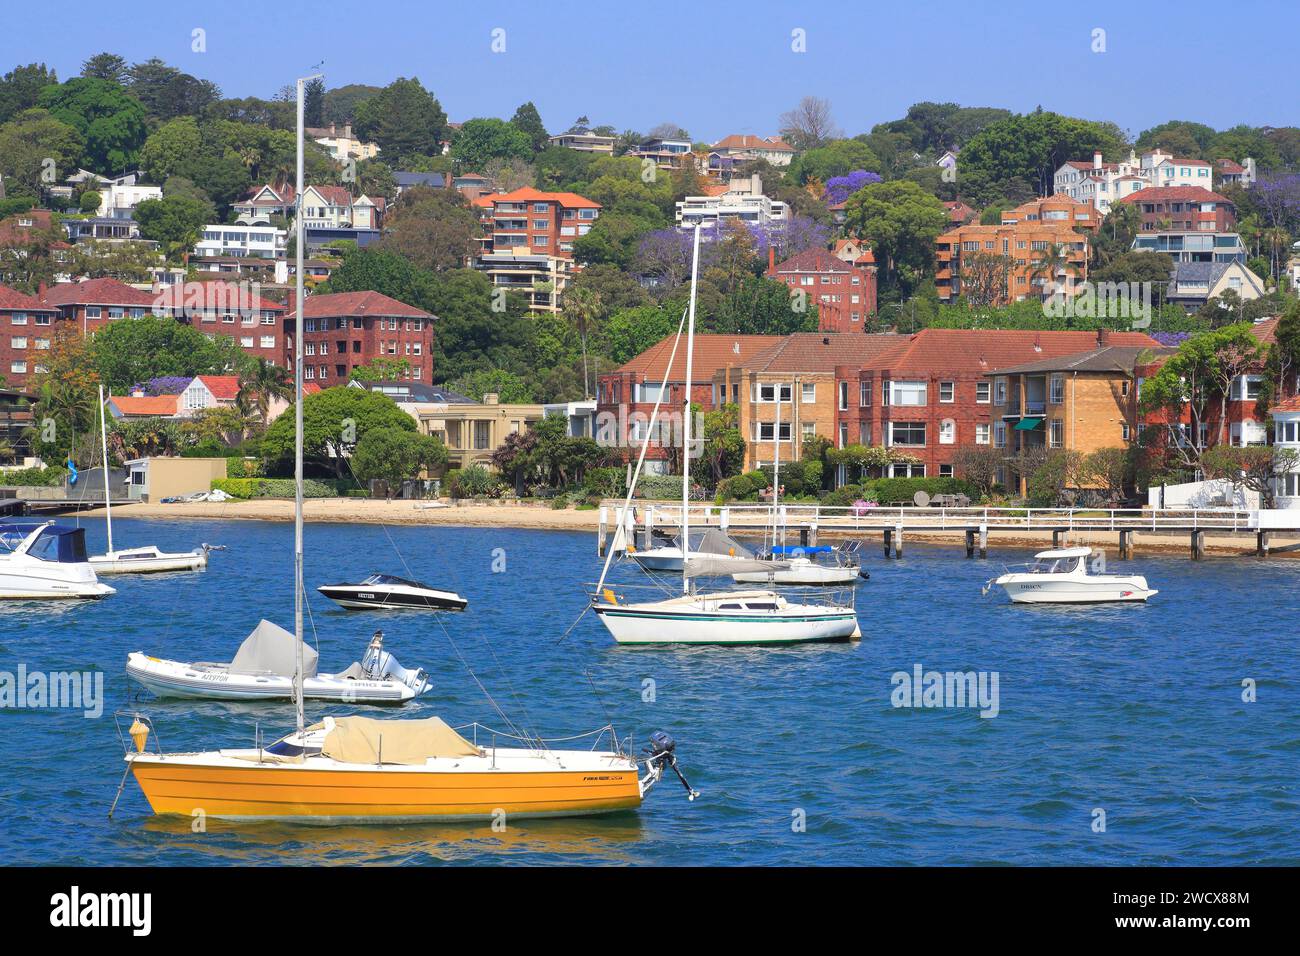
pixel 271 649
pixel 717 541
pixel 802 549
pixel 716 566
pixel 358 740
pixel 61 543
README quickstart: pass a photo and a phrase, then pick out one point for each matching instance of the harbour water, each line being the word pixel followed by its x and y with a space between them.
pixel 801 757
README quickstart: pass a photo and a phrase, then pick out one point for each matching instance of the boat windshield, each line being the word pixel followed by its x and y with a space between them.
pixel 1054 565
pixel 390 579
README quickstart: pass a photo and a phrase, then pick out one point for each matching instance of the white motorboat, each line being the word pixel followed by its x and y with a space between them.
pixel 719 617
pixel 147 559
pixel 799 569
pixel 42 561
pixel 725 617
pixel 1071 576
pixel 385 592
pixel 262 669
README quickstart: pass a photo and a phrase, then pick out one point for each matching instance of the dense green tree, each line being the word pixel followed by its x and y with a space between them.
pixel 403 119
pixel 341 102
pixel 1183 138
pixel 1242 142
pixel 507 386
pixel 111 122
pixel 382 271
pixel 392 454
pixel 126 353
pixel 529 122
pixel 170 147
pixel 106 66
pixel 629 332
pixel 902 221
pixel 313 103
pixel 334 420
pixel 27 142
pixel 480 140
pixel 21 87
pixel 613 240
pixel 481 328
pixel 836 158
pixel 167 92
pixel 433 229
pixel 175 221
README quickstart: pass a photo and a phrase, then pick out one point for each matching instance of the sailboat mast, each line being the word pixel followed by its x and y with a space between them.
pixel 686 413
pixel 103 441
pixel 297 425
pixel 776 463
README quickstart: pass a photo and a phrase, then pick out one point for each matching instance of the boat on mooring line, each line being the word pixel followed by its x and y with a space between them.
pixel 1070 576
pixel 384 592
pixel 46 561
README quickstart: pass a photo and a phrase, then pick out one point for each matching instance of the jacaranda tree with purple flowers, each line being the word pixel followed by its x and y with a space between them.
pixel 840 188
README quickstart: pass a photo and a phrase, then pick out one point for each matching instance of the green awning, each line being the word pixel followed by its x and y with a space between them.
pixel 1028 424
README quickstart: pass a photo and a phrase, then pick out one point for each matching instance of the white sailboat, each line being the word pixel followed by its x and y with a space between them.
pixel 144 559
pixel 736 617
pixel 357 769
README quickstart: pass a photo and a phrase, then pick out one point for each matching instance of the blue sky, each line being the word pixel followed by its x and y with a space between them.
pixel 718 69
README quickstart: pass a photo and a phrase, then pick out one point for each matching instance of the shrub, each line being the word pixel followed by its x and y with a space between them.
pixel 891 490
pixel 606 482
pixel 237 487
pixel 474 482
pixel 49 476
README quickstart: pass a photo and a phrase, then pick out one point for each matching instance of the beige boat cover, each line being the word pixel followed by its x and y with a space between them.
pixel 270 649
pixel 357 740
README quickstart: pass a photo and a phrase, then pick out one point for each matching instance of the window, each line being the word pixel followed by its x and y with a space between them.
pixel 884 393
pixel 982 434
pixel 42 320
pixel 1000 391
pixel 1287 432
pixel 907 470
pixel 910 393
pixel 19 342
pixel 982 393
pixel 1123 388
pixel 907 433
pixel 1056 437
pixel 1124 432
pixel 808 393
pixel 18 368
pixel 20 318
pixel 268 341
pixel 947 432
pixel 808 429
pixel 864 394
pixel 766 393
pixel 1057 394
pixel 844 435
pixel 92 312
pixel 844 396
pixel 766 431
pixel 864 433
pixel 246 341
pixel 999 434
pixel 945 471
pixel 947 392
pixel 654 393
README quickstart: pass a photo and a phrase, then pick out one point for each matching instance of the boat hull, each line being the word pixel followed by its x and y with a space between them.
pixel 356 598
pixel 123 563
pixel 178 680
pixel 797 574
pixel 630 624
pixel 30 587
pixel 184 784
pixel 1088 590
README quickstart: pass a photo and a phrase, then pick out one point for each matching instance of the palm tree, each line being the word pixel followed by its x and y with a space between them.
pixel 260 383
pixel 584 306
pixel 1049 262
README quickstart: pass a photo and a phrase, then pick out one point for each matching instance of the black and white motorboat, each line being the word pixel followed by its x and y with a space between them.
pixel 386 592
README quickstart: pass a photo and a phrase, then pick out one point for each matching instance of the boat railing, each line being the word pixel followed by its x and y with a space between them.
pixel 533 741
pixel 841 596
pixel 128 745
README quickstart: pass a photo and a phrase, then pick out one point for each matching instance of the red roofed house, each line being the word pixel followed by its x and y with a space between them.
pixel 844 292
pixel 25 327
pixel 1234 174
pixel 209 391
pixel 93 303
pixel 232 309
pixel 346 329
pixel 959 213
pixel 144 406
pixel 1183 209
pixel 528 242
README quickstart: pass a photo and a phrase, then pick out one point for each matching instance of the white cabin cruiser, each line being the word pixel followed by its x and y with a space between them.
pixel 1071 576
pixel 263 670
pixel 43 561
pixel 385 592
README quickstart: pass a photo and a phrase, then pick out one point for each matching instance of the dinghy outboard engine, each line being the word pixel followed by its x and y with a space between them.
pixel 378 664
pixel 658 754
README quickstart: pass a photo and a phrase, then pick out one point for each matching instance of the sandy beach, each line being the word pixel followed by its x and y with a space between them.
pixel 542 516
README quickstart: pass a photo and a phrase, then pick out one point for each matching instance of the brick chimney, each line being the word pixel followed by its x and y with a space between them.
pixel 1103 338
pixel 1096 160
pixel 771 260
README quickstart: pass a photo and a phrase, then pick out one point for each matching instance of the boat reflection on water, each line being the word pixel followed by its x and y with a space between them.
pixel 610 839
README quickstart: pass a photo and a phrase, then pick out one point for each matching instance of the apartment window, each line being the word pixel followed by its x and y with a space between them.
pixel 907 470
pixel 116 312
pixel 1123 388
pixel 20 318
pixel 42 320
pixel 246 341
pixel 884 393
pixel 18 368
pixel 999 434
pixel 808 393
pixel 864 394
pixel 92 312
pixel 767 393
pixel 1124 432
pixel 947 392
pixel 947 432
pixel 766 431
pixel 808 429
pixel 482 435
pixel 1000 391
pixel 982 393
pixel 864 433
pixel 907 433
pixel 1287 432
pixel 982 434
pixel 844 435
pixel 945 471
pixel 844 396
pixel 309 371
pixel 1057 394
pixel 1056 437
pixel 911 393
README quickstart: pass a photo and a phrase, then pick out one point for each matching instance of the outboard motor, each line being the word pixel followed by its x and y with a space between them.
pixel 661 753
pixel 378 664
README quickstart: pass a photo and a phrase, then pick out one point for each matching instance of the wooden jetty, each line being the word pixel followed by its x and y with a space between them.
pixel 646 521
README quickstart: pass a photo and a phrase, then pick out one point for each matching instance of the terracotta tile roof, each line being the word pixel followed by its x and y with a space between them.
pixel 20 301
pixel 146 406
pixel 814 260
pixel 282 196
pixel 529 194
pixel 746 141
pixel 359 304
pixel 1228 166
pixel 223 387
pixel 335 195
pixel 1265 330
pixel 310 388
pixel 1175 193
pixel 983 350
pixel 1106 359
pixel 1291 404
pixel 712 352
pixel 822 351
pixel 214 293
pixel 96 292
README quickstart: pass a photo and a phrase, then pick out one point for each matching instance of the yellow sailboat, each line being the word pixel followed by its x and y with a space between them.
pixel 362 770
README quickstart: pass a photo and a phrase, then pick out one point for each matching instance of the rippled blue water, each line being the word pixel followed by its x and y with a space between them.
pixel 1137 711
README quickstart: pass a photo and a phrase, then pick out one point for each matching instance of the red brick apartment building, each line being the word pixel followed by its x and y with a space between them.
pixel 844 292
pixel 25 327
pixel 1183 209
pixel 343 330
pixel 529 236
pixel 229 309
